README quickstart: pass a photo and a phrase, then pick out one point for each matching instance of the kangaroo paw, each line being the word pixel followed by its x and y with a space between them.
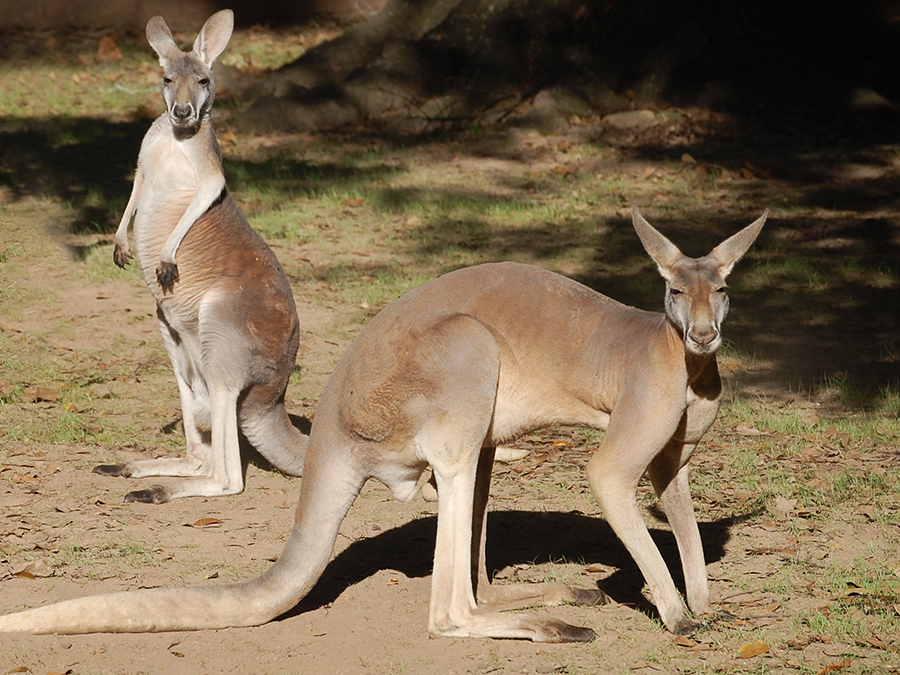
pixel 155 495
pixel 559 631
pixel 686 627
pixel 590 597
pixel 121 470
pixel 121 256
pixel 167 274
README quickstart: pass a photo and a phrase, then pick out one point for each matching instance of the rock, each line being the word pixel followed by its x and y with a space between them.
pixel 632 120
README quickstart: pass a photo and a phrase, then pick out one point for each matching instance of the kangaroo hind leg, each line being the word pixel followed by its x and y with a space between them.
pixel 210 370
pixel 466 371
pixel 501 597
pixel 195 410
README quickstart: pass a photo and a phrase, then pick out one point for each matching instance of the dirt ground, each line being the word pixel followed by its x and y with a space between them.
pixel 64 532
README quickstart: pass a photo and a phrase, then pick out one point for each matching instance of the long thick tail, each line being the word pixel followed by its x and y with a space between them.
pixel 271 431
pixel 329 488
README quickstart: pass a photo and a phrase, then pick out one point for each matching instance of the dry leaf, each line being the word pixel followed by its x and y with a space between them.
pixel 879 644
pixel 837 666
pixel 38 568
pixel 20 669
pixel 683 641
pixel 853 589
pixel 744 430
pixel 36 394
pixel 749 650
pixel 207 522
pixel 784 506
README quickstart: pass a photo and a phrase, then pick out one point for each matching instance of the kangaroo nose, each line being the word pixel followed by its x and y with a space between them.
pixel 703 338
pixel 182 112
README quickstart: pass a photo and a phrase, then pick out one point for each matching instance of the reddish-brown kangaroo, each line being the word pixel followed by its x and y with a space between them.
pixel 226 311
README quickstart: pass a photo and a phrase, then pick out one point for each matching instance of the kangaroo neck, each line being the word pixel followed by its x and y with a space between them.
pixel 696 366
pixel 186 133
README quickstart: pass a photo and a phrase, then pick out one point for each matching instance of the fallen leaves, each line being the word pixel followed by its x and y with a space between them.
pixel 33 570
pixel 40 394
pixel 752 649
pixel 207 523
pixel 837 666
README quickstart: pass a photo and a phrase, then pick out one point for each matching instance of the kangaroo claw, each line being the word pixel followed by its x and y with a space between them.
pixel 167 275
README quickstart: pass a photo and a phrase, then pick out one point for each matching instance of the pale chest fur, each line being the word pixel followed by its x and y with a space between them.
pixel 170 183
pixel 700 413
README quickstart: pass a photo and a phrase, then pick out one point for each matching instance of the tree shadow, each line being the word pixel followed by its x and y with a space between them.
pixel 514 537
pixel 89 165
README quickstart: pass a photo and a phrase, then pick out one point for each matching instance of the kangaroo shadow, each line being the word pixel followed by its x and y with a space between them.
pixel 515 537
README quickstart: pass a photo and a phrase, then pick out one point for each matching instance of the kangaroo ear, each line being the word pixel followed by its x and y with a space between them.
pixel 214 36
pixel 733 249
pixel 160 38
pixel 663 251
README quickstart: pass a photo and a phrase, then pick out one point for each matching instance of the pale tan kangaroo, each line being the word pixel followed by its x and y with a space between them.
pixel 227 313
pixel 441 377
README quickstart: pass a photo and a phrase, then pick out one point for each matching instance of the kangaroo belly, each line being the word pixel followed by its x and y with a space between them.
pixel 159 211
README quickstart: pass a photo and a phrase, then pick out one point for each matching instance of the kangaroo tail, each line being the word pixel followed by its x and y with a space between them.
pixel 270 430
pixel 329 488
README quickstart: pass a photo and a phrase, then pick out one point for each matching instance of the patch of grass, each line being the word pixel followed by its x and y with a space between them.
pixel 103 560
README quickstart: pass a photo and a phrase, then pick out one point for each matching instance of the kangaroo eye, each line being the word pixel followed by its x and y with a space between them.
pixel 167 80
pixel 675 291
pixel 204 81
pixel 721 290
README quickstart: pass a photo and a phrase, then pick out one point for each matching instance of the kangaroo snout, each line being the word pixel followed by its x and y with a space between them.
pixel 705 338
pixel 182 112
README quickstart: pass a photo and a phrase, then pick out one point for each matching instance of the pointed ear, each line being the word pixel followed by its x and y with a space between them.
pixel 160 38
pixel 733 249
pixel 214 36
pixel 663 251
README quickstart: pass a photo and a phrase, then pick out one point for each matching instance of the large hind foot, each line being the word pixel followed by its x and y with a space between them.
pixel 118 470
pixel 154 495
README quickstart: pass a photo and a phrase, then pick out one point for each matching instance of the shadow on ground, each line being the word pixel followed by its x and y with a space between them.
pixel 514 537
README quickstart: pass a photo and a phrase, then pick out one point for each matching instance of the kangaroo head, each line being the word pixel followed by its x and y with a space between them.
pixel 188 87
pixel 696 302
